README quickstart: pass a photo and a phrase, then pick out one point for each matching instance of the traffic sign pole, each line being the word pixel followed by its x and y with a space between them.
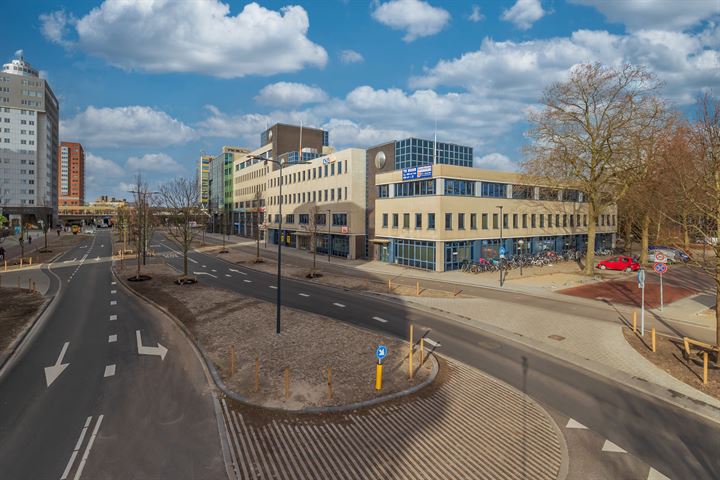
pixel 661 293
pixel 642 312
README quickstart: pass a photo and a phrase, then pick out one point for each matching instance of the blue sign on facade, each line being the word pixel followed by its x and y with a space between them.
pixel 381 352
pixel 417 172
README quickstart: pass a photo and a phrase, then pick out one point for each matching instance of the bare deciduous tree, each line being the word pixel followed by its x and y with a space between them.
pixel 181 199
pixel 141 219
pixel 313 228
pixel 583 135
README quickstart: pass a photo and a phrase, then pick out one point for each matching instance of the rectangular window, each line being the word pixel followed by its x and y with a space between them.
pixel 572 221
pixel 289 218
pixel 515 220
pixel 332 194
pixel 532 221
pixel 497 190
pixel 473 221
pixel 542 220
pixel 524 220
pixel 303 218
pixel 448 221
pixel 326 195
pixel 326 170
pixel 584 220
pixel 383 191
pixel 431 221
pixel 418 221
pixel 564 221
pixel 395 220
pixel 459 187
pixel 406 220
pixel 332 169
pixel 549 220
pixel 484 221
pixel 461 221
pixel 557 221
pixel 339 167
pixel 506 220
pixel 522 192
pixel 320 219
pixel 496 224
pixel 384 220
pixel 339 219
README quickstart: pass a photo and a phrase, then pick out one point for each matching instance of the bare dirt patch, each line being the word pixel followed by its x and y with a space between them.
pixel 626 292
pixel 308 346
pixel 18 308
pixel 669 357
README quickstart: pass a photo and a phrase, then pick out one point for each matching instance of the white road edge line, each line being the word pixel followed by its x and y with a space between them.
pixel 109 370
pixel 86 454
pixel 71 461
pixel 381 320
pixel 303 294
pixel 339 305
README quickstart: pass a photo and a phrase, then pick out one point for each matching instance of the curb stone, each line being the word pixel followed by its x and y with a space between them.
pixel 312 410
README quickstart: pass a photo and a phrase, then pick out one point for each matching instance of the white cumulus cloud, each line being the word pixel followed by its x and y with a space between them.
pixel 351 56
pixel 153 162
pixel 415 17
pixel 290 94
pixel 133 126
pixel 524 13
pixel 495 161
pixel 97 166
pixel 476 15
pixel 656 14
pixel 191 36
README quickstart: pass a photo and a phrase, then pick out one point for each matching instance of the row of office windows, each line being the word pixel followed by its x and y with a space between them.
pixel 327 195
pixel 338 219
pixel 311 173
pixel 532 220
pixel 414 253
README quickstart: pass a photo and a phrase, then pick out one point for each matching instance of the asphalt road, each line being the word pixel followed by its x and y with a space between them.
pixel 674 441
pixel 111 412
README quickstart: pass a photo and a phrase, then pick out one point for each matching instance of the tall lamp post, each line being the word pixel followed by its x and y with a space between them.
pixel 501 244
pixel 329 244
pixel 521 242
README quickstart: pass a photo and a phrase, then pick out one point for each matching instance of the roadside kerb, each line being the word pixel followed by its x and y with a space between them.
pixel 693 405
pixel 239 398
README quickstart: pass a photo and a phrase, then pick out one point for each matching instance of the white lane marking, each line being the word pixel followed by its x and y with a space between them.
pixel 339 305
pixel 213 270
pixel 237 271
pixel 67 261
pixel 204 273
pixel 109 371
pixel 432 343
pixel 572 423
pixel 113 283
pixel 113 292
pixel 74 259
pixel 112 338
pixel 228 275
pixel 97 259
pixel 303 294
pixel 53 371
pixel 204 266
pixel 102 245
pixel 113 317
pixel 193 261
pixel 273 287
pixel 381 320
pixel 609 446
pixel 247 281
pixel 71 461
pixel 113 302
pixel 655 475
pixel 143 350
pixel 88 448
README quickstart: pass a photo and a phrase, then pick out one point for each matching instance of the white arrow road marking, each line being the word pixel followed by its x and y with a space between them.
pixel 53 372
pixel 303 294
pixel 112 338
pixel 575 424
pixel 109 371
pixel 655 475
pixel 113 302
pixel 159 350
pixel 204 273
pixel 381 320
pixel 432 343
pixel 339 305
pixel 609 446
pixel 113 317
pixel 88 448
pixel 76 450
pixel 237 271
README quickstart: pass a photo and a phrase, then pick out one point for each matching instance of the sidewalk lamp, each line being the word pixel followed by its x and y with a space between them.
pixel 329 244
pixel 501 244
pixel 521 242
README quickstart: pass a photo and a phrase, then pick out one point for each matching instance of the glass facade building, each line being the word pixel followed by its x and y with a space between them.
pixel 415 152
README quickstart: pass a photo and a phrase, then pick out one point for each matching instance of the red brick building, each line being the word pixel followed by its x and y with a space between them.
pixel 71 174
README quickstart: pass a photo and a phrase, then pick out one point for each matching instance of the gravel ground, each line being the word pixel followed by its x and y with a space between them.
pixel 18 308
pixel 668 356
pixel 308 347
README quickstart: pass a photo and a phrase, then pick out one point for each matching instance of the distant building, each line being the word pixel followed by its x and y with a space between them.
pixel 71 178
pixel 203 173
pixel 29 145
pixel 220 187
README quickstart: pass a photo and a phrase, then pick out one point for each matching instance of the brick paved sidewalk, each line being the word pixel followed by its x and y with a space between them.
pixel 471 426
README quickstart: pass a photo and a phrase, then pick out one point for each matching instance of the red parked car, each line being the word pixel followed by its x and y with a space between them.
pixel 619 263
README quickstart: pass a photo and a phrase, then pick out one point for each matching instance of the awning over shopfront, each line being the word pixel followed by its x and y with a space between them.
pixel 382 241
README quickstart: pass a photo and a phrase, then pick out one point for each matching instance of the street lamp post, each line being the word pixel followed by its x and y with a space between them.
pixel 501 244
pixel 329 245
pixel 522 259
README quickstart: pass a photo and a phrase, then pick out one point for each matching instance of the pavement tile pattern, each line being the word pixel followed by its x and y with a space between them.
pixel 471 426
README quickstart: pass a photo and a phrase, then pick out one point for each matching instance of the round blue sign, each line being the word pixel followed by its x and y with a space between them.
pixel 502 250
pixel 381 352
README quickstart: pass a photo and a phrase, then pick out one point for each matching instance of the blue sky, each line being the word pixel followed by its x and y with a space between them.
pixel 146 85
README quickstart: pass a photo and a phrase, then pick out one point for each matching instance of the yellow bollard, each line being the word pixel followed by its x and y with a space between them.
pixel 410 356
pixel 30 262
pixel 705 367
pixel 378 376
pixel 389 285
pixel 287 383
pixel 634 322
pixel 653 339
pixel 422 351
pixel 417 289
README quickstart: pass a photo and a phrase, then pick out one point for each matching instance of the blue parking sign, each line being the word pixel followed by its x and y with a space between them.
pixel 381 352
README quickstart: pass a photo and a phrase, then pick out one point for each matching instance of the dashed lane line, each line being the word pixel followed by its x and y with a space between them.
pixel 109 370
pixel 303 295
pixel 113 292
pixel 273 287
pixel 113 317
pixel 247 281
pixel 340 305
pixel 113 302
pixel 112 338
pixel 228 275
pixel 380 319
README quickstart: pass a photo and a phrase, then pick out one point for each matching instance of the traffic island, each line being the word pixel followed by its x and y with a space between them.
pixel 316 364
pixel 19 308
